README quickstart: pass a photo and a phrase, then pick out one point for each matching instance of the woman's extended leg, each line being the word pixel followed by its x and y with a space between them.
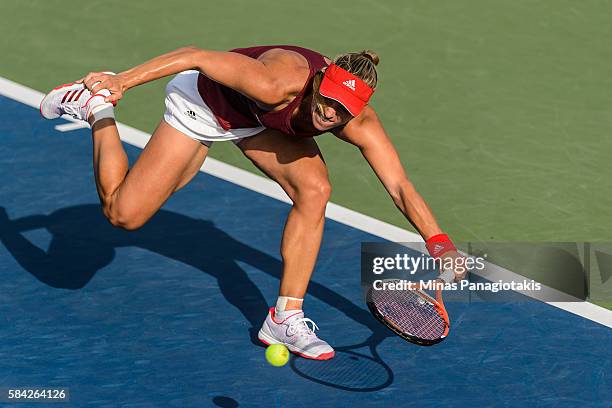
pixel 297 165
pixel 131 196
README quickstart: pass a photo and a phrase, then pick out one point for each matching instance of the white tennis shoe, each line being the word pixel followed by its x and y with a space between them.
pixel 73 99
pixel 295 332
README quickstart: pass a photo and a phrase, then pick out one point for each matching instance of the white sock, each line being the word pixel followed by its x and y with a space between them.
pixel 102 111
pixel 99 108
pixel 281 304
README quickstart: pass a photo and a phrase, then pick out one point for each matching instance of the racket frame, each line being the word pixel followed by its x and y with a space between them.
pixel 438 307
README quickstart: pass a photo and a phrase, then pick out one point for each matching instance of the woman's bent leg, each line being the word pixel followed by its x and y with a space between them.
pixel 297 165
pixel 130 197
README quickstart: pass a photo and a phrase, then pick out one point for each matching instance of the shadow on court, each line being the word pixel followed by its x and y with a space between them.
pixel 83 242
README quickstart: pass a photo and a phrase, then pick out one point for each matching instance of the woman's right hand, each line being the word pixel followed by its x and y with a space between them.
pixel 116 84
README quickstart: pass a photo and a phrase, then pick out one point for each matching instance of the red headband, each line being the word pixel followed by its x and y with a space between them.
pixel 342 86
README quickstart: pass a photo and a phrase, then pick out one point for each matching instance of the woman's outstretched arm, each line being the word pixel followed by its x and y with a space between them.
pixel 260 80
pixel 367 133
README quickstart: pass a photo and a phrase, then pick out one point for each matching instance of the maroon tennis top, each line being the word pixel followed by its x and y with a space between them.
pixel 234 110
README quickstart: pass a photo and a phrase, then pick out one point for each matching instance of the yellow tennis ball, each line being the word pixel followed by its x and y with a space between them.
pixel 277 355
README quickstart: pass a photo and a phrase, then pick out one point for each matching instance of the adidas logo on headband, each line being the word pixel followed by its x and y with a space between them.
pixel 350 83
pixel 334 85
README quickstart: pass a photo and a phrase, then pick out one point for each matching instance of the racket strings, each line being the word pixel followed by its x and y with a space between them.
pixel 410 313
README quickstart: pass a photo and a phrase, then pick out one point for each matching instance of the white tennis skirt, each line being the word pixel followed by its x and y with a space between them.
pixel 189 114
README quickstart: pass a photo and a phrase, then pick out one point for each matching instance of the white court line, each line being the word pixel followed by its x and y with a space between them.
pixel 69 127
pixel 138 138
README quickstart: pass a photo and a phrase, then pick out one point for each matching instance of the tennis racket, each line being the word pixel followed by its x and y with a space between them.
pixel 411 314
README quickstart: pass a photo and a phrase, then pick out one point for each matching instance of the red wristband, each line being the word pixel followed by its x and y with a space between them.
pixel 439 244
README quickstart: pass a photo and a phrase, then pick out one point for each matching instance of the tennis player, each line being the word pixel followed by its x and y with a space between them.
pixel 270 101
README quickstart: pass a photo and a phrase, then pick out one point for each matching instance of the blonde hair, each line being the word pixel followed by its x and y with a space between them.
pixel 361 64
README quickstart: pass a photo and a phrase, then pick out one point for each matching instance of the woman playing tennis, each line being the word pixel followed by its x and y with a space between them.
pixel 270 101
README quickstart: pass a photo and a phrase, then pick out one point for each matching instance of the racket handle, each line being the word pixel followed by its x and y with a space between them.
pixel 448 276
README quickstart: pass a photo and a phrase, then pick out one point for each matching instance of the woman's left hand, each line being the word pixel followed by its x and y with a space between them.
pixel 459 264
pixel 115 84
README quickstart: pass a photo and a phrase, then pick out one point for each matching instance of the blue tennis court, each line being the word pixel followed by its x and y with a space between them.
pixel 167 316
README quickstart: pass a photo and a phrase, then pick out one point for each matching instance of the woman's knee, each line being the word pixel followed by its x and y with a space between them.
pixel 314 194
pixel 124 217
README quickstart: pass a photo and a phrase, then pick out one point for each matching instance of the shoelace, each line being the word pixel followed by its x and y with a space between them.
pixel 300 326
